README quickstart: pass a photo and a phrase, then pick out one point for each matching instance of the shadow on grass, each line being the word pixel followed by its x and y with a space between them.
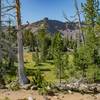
pixel 30 72
pixel 40 64
pixel 50 62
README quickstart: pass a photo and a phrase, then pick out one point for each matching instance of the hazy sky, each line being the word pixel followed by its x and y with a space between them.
pixel 33 10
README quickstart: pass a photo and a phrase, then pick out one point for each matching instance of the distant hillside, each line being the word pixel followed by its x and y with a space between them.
pixel 52 26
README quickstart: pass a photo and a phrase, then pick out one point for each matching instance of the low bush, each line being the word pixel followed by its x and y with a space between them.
pixel 42 85
pixel 14 86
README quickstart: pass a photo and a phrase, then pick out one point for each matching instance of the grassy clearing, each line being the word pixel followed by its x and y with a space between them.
pixel 47 68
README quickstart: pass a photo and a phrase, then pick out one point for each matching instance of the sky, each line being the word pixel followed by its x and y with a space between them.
pixel 34 10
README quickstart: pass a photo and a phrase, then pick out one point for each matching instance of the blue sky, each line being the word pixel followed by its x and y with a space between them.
pixel 34 10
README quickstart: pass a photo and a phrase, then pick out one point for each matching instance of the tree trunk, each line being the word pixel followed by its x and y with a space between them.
pixel 0 19
pixel 80 35
pixel 0 34
pixel 22 77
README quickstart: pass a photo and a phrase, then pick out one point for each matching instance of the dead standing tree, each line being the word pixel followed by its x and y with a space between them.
pixel 81 35
pixel 2 43
pixel 4 10
pixel 22 77
pixel 0 33
pixel 5 7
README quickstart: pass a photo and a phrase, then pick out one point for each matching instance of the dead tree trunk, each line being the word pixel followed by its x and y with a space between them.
pixel 0 33
pixel 80 35
pixel 0 17
pixel 22 77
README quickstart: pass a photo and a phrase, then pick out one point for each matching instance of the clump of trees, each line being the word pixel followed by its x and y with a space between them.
pixel 7 42
pixel 87 54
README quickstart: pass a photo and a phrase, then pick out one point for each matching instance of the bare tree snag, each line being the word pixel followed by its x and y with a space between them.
pixel 0 32
pixel 80 35
pixel 22 77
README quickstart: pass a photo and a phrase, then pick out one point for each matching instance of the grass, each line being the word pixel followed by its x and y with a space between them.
pixel 47 68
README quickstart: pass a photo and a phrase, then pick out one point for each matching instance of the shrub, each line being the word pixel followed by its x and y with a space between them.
pixel 83 58
pixel 92 73
pixel 43 90
pixel 38 78
pixel 14 86
pixel 40 82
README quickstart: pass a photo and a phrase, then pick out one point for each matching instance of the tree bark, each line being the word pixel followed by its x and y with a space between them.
pixel 21 74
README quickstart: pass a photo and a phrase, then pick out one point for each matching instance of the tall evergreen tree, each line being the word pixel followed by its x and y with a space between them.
pixel 43 45
pixel 57 46
pixel 85 55
pixel 90 9
pixel 91 12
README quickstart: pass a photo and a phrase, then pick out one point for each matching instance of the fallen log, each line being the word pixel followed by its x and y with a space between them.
pixel 79 87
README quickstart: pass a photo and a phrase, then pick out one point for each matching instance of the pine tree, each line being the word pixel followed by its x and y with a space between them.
pixel 86 55
pixel 90 9
pixel 83 58
pixel 29 40
pixel 57 46
pixel 97 49
pixel 43 46
pixel 36 56
pixel 91 12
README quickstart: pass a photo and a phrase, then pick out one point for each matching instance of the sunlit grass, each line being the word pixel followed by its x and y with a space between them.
pixel 47 68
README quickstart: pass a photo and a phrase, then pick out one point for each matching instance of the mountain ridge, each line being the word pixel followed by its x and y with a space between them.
pixel 67 29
